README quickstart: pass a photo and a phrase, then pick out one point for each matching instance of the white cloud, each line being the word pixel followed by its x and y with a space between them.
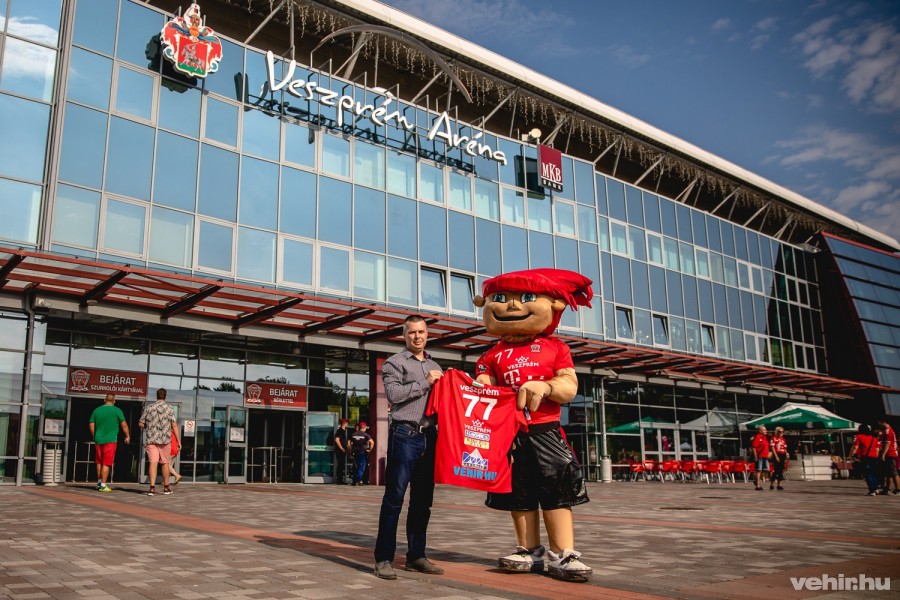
pixel 30 28
pixel 759 41
pixel 864 57
pixel 628 56
pixel 766 24
pixel 721 24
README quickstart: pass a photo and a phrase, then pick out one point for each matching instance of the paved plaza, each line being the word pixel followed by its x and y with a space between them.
pixel 643 539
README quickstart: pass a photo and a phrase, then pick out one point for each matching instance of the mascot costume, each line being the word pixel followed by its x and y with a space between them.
pixel 524 308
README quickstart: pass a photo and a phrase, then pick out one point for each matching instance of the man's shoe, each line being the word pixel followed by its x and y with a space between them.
pixel 167 490
pixel 104 488
pixel 152 491
pixel 567 567
pixel 524 560
pixel 423 565
pixel 384 570
pixel 872 494
pixel 896 492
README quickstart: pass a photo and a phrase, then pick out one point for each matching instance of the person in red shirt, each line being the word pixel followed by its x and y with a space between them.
pixel 778 446
pixel 524 308
pixel 866 448
pixel 760 448
pixel 889 456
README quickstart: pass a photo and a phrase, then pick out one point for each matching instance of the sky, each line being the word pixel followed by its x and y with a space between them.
pixel 803 93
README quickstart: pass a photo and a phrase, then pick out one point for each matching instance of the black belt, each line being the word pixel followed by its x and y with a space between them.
pixel 419 427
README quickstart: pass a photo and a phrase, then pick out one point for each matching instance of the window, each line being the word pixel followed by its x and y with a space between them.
pixel 368 165
pixel 539 214
pixel 300 145
pixel 336 155
pixel 692 333
pixel 215 246
pixel 642 326
pixel 179 108
pixel 660 330
pixel 368 219
pixel 686 252
pixel 619 238
pixel 221 123
pixel 603 224
pixel 218 183
pixel 744 275
pixel 702 263
pixel 565 218
pixel 171 237
pixel 461 293
pixel 432 234
pixel 334 269
pixel 460 191
pixel 256 254
pixel 671 247
pixel 75 216
pixel 708 339
pixel 298 202
pixel 433 291
pixel 401 178
pixel 28 69
pixel 259 193
pixel 90 78
pixel 654 248
pixel 175 172
pixel 129 160
pixel 123 229
pixel 587 224
pixel 403 285
pixel 20 205
pixel 369 276
pixel 297 262
pixel 730 271
pixel 513 208
pixel 636 248
pixel 624 326
pixel 431 183
pixel 135 93
pixel 335 224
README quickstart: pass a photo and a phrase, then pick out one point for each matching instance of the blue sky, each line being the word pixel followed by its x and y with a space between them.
pixel 805 94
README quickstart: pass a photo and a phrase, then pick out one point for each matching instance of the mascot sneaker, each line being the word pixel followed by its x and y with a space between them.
pixel 524 560
pixel 567 567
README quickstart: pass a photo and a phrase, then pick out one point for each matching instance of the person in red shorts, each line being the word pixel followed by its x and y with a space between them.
pixel 760 448
pixel 524 308
pixel 104 425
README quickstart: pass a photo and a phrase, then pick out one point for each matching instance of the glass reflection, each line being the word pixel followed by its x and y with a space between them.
pixel 90 78
pixel 259 193
pixel 124 227
pixel 432 234
pixel 336 155
pixel 369 219
pixel 20 205
pixel 175 174
pixel 171 237
pixel 431 183
pixel 433 288
pixel 83 146
pixel 300 144
pixel 137 26
pixel 218 183
pixel 462 247
pixel 256 254
pixel 129 163
pixel 334 269
pixel 298 202
pixel 261 134
pixel 402 221
pixel 460 191
pixel 369 276
pixel 215 246
pixel 368 165
pixel 23 143
pixel 28 69
pixel 297 262
pixel 487 199
pixel 75 216
pixel 401 174
pixel 403 282
pixel 134 93
pixel 179 108
pixel 221 121
pixel 334 215
pixel 95 25
pixel 36 21
pixel 515 249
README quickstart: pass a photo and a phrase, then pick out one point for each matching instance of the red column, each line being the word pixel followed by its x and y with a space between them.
pixel 378 413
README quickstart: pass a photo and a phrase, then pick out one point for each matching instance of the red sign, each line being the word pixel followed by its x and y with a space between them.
pixel 550 168
pixel 192 47
pixel 107 381
pixel 261 393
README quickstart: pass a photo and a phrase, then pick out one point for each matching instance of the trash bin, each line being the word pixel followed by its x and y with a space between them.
pixel 605 469
pixel 51 465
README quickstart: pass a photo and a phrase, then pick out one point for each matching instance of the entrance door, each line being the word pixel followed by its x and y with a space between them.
pixel 318 463
pixel 236 450
pixel 80 450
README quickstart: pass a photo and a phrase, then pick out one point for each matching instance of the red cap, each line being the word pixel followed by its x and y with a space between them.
pixel 362 424
pixel 344 421
pixel 571 287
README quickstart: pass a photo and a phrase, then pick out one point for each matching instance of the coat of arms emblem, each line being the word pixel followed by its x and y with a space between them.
pixel 192 47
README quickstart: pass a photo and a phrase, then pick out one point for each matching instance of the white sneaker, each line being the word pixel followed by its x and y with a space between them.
pixel 567 567
pixel 524 560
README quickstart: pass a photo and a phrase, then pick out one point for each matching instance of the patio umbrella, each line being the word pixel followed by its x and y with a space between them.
pixel 635 426
pixel 801 417
pixel 718 420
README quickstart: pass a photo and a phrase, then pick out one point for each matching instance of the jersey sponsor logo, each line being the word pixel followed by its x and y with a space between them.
pixel 535 347
pixel 478 435
pixel 476 443
pixel 482 368
pixel 474 460
pixel 525 361
pixel 474 473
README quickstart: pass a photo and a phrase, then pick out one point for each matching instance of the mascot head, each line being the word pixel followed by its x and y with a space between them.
pixel 528 303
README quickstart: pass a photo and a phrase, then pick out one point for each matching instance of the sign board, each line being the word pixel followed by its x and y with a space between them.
pixel 192 47
pixel 190 429
pixel 84 380
pixel 279 395
pixel 550 168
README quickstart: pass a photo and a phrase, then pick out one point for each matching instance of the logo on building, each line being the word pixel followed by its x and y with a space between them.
pixel 191 46
pixel 253 394
pixel 550 168
pixel 80 379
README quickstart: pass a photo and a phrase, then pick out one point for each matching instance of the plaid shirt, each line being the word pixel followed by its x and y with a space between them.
pixel 157 419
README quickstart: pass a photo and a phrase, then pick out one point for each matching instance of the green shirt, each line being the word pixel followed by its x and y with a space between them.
pixel 106 421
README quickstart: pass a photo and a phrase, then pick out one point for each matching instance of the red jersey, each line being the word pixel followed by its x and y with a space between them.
pixel 477 424
pixel 779 445
pixel 867 446
pixel 760 443
pixel 539 359
pixel 889 439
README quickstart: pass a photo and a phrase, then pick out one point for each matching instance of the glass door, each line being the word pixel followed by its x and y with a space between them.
pixel 318 463
pixel 236 450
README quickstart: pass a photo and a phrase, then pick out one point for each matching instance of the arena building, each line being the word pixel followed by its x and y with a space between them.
pixel 242 204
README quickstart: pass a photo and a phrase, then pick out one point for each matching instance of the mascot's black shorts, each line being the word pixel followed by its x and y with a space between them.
pixel 545 473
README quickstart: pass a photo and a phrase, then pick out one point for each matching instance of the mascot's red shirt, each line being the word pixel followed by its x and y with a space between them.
pixel 477 426
pixel 538 359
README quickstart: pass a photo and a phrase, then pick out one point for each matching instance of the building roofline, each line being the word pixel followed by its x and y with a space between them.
pixel 456 45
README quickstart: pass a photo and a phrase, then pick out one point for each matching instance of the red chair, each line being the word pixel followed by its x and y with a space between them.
pixel 651 470
pixel 689 470
pixel 636 469
pixel 672 469
pixel 710 468
pixel 726 470
pixel 742 467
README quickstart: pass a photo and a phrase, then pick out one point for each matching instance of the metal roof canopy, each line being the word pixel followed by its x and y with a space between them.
pixel 165 294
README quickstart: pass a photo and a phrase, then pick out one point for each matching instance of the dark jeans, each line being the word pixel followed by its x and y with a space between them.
pixel 340 467
pixel 362 461
pixel 872 468
pixel 410 463
pixel 778 463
